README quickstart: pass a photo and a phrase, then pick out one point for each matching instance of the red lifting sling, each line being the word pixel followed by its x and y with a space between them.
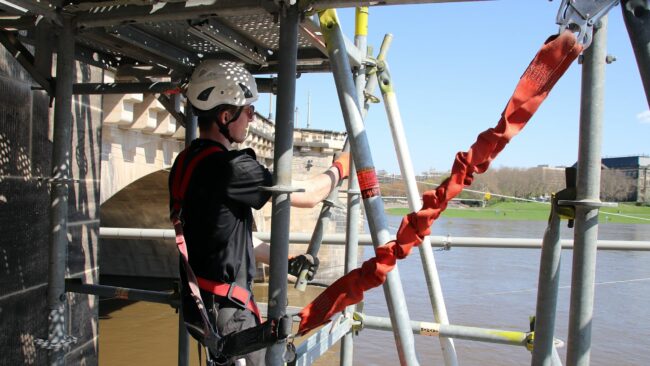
pixel 232 291
pixel 550 63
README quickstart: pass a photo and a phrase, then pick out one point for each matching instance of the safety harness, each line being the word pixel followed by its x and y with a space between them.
pixel 234 344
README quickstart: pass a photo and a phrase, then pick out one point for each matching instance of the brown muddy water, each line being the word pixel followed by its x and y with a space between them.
pixel 491 288
pixel 142 333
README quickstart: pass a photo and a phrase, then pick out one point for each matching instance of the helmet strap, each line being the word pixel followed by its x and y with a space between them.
pixel 223 127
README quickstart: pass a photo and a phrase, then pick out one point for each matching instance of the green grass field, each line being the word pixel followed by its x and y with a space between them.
pixel 532 211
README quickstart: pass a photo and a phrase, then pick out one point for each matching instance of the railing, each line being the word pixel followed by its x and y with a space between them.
pixel 446 242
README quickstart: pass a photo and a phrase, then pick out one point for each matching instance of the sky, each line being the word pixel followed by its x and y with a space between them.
pixel 455 65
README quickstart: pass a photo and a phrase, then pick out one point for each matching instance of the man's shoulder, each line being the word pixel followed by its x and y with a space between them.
pixel 244 154
pixel 244 161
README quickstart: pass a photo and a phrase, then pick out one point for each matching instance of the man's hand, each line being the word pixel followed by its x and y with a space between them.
pixel 342 164
pixel 301 262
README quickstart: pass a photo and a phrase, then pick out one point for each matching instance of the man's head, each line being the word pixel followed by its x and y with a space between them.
pixel 222 93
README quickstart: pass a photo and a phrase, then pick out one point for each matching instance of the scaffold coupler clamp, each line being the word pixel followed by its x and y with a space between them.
pixel 567 212
pixel 581 16
pixel 446 244
pixel 530 336
pixel 357 322
pixel 383 76
pixel 335 203
pixel 371 69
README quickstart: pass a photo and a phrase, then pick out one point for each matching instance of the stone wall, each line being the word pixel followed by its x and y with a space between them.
pixel 25 159
pixel 128 155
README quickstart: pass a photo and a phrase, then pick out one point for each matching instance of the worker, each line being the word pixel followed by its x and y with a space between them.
pixel 223 189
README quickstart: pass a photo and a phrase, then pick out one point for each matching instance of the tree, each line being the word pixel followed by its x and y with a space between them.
pixel 616 186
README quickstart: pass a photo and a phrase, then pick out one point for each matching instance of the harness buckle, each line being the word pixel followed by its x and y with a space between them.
pixel 238 295
pixel 176 213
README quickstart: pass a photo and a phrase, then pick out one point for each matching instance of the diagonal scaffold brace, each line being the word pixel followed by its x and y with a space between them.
pixel 368 183
pixel 406 167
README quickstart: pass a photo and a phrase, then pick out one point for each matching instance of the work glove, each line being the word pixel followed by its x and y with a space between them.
pixel 342 164
pixel 303 261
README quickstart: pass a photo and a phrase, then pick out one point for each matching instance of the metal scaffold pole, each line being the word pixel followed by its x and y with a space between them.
pixel 183 341
pixel 547 289
pixel 353 204
pixel 285 105
pixel 443 242
pixel 587 199
pixel 507 337
pixel 406 167
pixel 372 201
pixel 351 256
pixel 637 20
pixel 191 122
pixel 61 177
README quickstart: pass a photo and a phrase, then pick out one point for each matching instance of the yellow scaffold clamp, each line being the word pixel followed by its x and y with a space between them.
pixel 530 336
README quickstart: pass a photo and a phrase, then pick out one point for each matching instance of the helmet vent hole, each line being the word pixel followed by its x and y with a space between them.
pixel 205 95
pixel 247 92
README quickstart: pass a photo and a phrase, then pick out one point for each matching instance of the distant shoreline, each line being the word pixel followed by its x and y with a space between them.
pixel 533 211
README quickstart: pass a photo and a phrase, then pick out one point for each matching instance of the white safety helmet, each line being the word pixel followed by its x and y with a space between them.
pixel 216 82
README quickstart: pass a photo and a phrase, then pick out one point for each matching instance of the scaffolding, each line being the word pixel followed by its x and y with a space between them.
pixel 158 45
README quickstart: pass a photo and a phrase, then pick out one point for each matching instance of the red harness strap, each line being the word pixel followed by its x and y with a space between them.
pixel 552 60
pixel 231 291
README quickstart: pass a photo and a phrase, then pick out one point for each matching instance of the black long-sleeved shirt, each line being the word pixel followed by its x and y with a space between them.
pixel 217 215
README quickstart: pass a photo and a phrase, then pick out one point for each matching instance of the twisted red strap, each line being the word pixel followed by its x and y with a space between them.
pixel 550 63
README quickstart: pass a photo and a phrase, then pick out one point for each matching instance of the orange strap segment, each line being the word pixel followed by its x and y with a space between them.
pixel 550 63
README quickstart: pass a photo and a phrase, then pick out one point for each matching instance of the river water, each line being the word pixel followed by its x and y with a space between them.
pixel 490 288
pixel 497 288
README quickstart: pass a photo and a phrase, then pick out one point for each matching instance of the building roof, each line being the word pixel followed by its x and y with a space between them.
pixel 622 162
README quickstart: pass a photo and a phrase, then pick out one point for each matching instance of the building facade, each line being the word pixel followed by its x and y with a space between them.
pixel 636 168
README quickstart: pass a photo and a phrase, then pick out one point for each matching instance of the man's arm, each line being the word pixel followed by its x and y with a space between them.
pixel 319 187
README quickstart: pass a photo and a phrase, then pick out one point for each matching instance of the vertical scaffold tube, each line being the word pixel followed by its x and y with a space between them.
pixel 183 341
pixel 61 161
pixel 547 289
pixel 588 190
pixel 413 195
pixel 190 134
pixel 637 21
pixel 351 256
pixel 354 209
pixel 369 186
pixel 283 154
pixel 191 122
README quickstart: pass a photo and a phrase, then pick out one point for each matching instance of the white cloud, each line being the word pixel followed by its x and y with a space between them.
pixel 644 117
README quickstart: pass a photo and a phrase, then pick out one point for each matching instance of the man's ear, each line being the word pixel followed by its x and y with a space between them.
pixel 224 116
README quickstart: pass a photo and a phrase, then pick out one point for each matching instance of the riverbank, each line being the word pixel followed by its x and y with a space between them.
pixel 537 211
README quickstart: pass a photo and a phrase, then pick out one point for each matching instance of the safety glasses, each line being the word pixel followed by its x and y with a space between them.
pixel 250 111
